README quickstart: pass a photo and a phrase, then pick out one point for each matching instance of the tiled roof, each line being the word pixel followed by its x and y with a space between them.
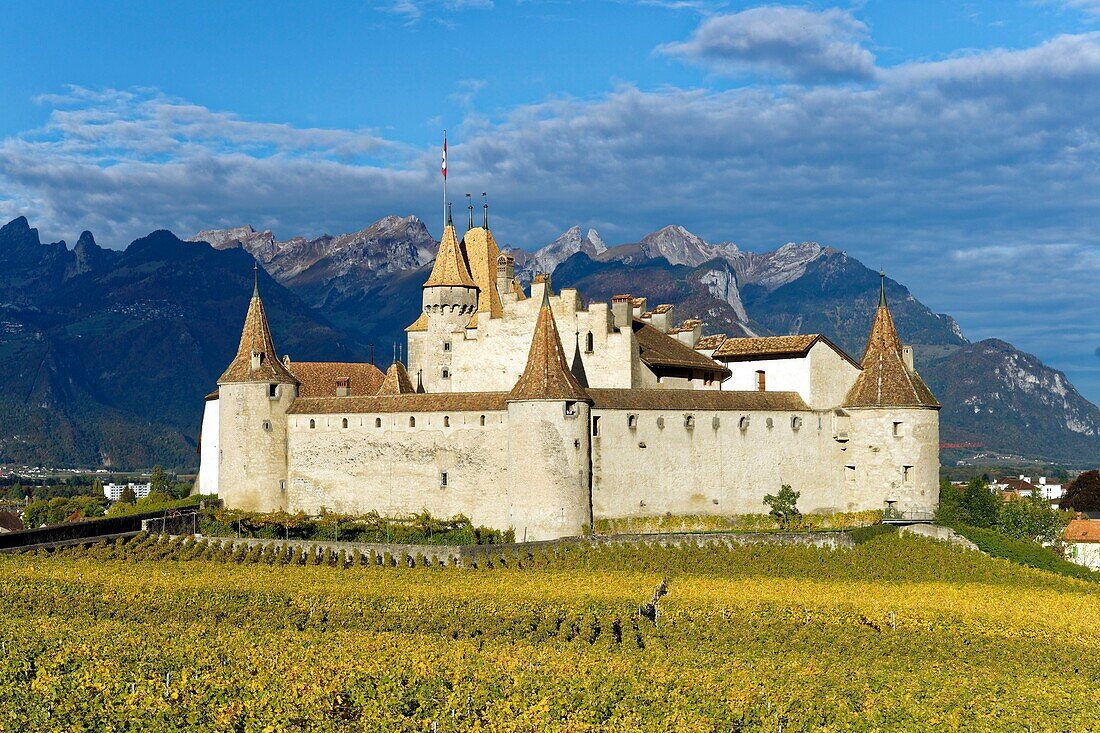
pixel 256 339
pixel 767 346
pixel 694 399
pixel 397 381
pixel 1082 530
pixel 481 252
pixel 319 378
pixel 10 522
pixel 1015 484
pixel 450 267
pixel 637 302
pixel 212 396
pixel 885 380
pixel 661 350
pixel 547 375
pixel 709 343
pixel 691 323
pixel 663 308
pixel 420 324
pixel 436 402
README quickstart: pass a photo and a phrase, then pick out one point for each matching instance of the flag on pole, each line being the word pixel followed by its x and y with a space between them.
pixel 444 155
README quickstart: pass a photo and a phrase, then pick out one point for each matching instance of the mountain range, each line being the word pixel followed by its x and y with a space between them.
pixel 105 355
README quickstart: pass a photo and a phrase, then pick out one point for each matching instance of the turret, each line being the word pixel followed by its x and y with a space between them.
pixel 548 440
pixel 506 272
pixel 894 445
pixel 255 392
pixel 450 300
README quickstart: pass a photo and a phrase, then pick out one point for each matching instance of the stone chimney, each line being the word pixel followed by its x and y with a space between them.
pixel 662 318
pixel 621 310
pixel 689 332
pixel 638 306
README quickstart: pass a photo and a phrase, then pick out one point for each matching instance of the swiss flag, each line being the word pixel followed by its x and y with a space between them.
pixel 444 169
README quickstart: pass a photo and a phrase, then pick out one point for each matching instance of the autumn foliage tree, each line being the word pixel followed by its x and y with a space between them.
pixel 1083 493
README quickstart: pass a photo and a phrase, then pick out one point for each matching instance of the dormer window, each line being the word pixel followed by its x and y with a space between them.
pixel 256 360
pixel 343 387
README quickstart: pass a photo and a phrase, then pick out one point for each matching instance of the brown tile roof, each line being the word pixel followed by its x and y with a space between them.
pixel 397 381
pixel 518 289
pixel 481 252
pixel 319 378
pixel 1082 530
pixel 547 375
pixel 620 298
pixel 767 346
pixel 690 324
pixel 694 399
pixel 420 324
pixel 637 302
pixel 663 308
pixel 212 396
pixel 1015 484
pixel 10 522
pixel 450 267
pixel 256 339
pixel 661 350
pixel 436 402
pixel 885 380
pixel 711 342
pixel 774 347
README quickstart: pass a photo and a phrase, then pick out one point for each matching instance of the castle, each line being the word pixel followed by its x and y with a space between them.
pixel 541 413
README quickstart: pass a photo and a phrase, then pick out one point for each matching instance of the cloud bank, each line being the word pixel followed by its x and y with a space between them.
pixel 975 179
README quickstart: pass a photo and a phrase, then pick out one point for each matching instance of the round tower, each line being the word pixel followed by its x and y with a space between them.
pixel 450 298
pixel 548 442
pixel 254 393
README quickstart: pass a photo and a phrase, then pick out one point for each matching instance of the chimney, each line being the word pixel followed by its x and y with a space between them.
pixel 506 272
pixel 662 318
pixel 638 306
pixel 907 357
pixel 540 285
pixel 689 332
pixel 621 310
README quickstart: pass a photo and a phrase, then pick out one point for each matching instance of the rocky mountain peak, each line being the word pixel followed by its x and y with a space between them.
pixel 570 242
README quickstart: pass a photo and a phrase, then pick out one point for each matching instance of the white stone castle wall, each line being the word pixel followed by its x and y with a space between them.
pixel 253 466
pixel 721 470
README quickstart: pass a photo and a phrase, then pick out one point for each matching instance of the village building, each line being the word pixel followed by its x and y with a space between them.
pixel 538 412
pixel 1082 542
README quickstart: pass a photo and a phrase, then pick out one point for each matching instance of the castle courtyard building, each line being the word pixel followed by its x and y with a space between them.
pixel 543 414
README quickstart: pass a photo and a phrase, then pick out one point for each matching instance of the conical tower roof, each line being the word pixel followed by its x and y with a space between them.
pixel 547 375
pixel 481 252
pixel 397 381
pixel 886 381
pixel 450 267
pixel 256 360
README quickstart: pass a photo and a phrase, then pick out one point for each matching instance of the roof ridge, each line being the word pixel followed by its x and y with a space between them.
pixel 450 267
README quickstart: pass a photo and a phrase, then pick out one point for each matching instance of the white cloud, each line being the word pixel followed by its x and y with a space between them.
pixel 975 180
pixel 786 42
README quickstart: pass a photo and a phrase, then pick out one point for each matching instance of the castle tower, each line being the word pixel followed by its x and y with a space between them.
pixel 255 392
pixel 548 441
pixel 482 252
pixel 450 299
pixel 894 446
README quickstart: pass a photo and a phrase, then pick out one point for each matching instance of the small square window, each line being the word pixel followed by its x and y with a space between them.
pixel 443 479
pixel 595 426
pixel 272 391
pixel 906 473
pixel 689 422
pixel 446 345
pixel 446 373
pixel 571 409
pixel 267 425
pixel 897 429
pixel 850 473
pixel 632 422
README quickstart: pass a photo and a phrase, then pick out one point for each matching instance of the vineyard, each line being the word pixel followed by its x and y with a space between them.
pixel 895 634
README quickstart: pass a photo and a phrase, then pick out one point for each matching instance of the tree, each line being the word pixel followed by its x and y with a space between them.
pixel 1083 493
pixel 950 510
pixel 782 505
pixel 1031 518
pixel 981 506
pixel 159 481
pixel 128 496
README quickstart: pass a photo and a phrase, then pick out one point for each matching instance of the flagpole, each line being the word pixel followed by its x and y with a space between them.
pixel 444 179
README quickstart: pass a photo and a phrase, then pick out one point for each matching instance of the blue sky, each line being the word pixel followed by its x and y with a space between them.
pixel 955 144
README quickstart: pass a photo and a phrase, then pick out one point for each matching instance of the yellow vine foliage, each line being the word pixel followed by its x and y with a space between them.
pixel 896 634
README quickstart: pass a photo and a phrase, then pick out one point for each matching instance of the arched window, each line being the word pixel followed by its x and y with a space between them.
pixel 483 420
pixel 377 422
pixel 312 424
pixel 589 343
pixel 344 423
pixel 412 422
pixel 446 421
pixel 760 383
